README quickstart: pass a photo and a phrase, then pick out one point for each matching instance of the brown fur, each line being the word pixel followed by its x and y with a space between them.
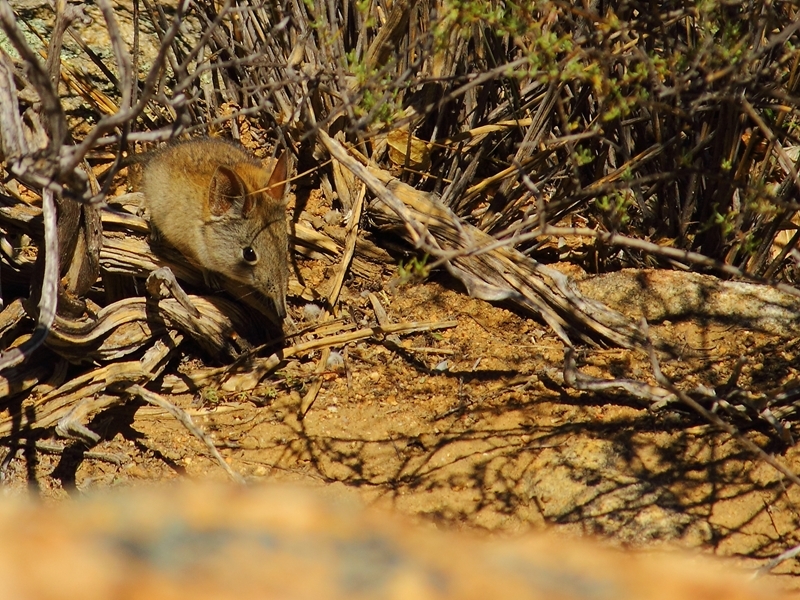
pixel 224 211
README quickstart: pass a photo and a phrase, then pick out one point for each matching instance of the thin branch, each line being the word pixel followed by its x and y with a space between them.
pixel 51 106
pixel 184 419
pixel 72 156
pixel 49 295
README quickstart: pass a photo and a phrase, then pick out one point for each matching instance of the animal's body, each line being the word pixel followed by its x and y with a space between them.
pixel 224 211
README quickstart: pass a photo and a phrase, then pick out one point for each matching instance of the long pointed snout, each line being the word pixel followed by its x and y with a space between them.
pixel 279 303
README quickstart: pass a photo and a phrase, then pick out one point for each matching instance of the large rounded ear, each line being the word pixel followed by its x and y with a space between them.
pixel 276 188
pixel 225 189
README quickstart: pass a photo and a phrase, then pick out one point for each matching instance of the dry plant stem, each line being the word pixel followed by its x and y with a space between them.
pixel 185 420
pixel 152 364
pixel 711 417
pixel 49 295
pixel 505 274
pixel 316 384
pixel 377 308
pixel 74 402
pixel 126 83
pixel 656 396
pixel 367 332
pixel 333 297
pixel 164 276
pixel 615 239
pixel 416 230
pixel 476 82
pixel 93 56
pixel 55 406
pixel 417 224
pixel 65 14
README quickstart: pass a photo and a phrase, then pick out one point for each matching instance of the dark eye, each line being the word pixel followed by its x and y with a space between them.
pixel 249 255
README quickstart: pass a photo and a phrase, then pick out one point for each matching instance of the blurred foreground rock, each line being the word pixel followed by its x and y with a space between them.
pixel 212 541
